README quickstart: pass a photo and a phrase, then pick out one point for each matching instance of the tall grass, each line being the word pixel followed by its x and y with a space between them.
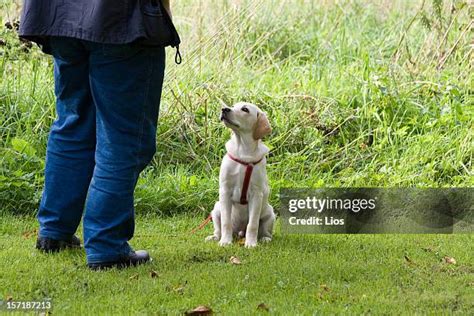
pixel 360 93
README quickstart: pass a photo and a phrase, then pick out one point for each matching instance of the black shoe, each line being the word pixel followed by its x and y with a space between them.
pixel 52 245
pixel 134 258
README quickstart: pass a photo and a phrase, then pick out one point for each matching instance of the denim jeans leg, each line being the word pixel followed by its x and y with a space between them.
pixel 126 82
pixel 71 143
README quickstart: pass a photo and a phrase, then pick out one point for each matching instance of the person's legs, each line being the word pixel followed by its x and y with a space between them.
pixel 71 143
pixel 126 82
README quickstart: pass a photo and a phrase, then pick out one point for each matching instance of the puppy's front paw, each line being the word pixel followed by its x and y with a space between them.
pixel 250 243
pixel 212 238
pixel 225 242
pixel 265 239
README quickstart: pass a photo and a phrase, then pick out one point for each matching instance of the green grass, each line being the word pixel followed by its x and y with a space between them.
pixel 356 93
pixel 297 274
pixel 359 93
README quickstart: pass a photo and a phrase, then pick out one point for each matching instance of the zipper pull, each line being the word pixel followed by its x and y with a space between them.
pixel 177 56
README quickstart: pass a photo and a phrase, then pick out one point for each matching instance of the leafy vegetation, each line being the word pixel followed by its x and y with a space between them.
pixel 359 94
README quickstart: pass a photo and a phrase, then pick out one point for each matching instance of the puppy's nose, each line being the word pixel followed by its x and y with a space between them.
pixel 225 110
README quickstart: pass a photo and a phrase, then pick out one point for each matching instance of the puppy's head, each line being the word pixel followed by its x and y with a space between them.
pixel 246 118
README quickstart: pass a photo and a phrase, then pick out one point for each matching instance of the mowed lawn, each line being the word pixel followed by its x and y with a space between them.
pixel 295 274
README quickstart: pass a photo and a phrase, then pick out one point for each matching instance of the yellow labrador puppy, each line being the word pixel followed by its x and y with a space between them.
pixel 243 207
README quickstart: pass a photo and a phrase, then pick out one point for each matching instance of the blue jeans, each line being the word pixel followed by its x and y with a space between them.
pixel 107 103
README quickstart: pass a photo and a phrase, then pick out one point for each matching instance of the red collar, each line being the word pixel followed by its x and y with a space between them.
pixel 248 174
pixel 244 162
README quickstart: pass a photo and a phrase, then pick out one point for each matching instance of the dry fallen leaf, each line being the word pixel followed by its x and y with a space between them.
pixel 428 249
pixel 235 260
pixel 200 310
pixel 133 277
pixel 325 287
pixel 241 242
pixel 153 274
pixel 408 259
pixel 449 260
pixel 179 290
pixel 9 298
pixel 30 233
pixel 263 307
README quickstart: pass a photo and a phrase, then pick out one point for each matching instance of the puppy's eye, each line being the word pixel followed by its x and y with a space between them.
pixel 245 110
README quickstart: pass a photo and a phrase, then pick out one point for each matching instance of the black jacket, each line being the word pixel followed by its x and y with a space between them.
pixel 103 21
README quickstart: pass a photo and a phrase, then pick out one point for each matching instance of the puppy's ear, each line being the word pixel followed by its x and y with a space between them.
pixel 262 127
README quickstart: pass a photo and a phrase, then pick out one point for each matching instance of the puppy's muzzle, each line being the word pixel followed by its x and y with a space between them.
pixel 225 118
pixel 224 113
